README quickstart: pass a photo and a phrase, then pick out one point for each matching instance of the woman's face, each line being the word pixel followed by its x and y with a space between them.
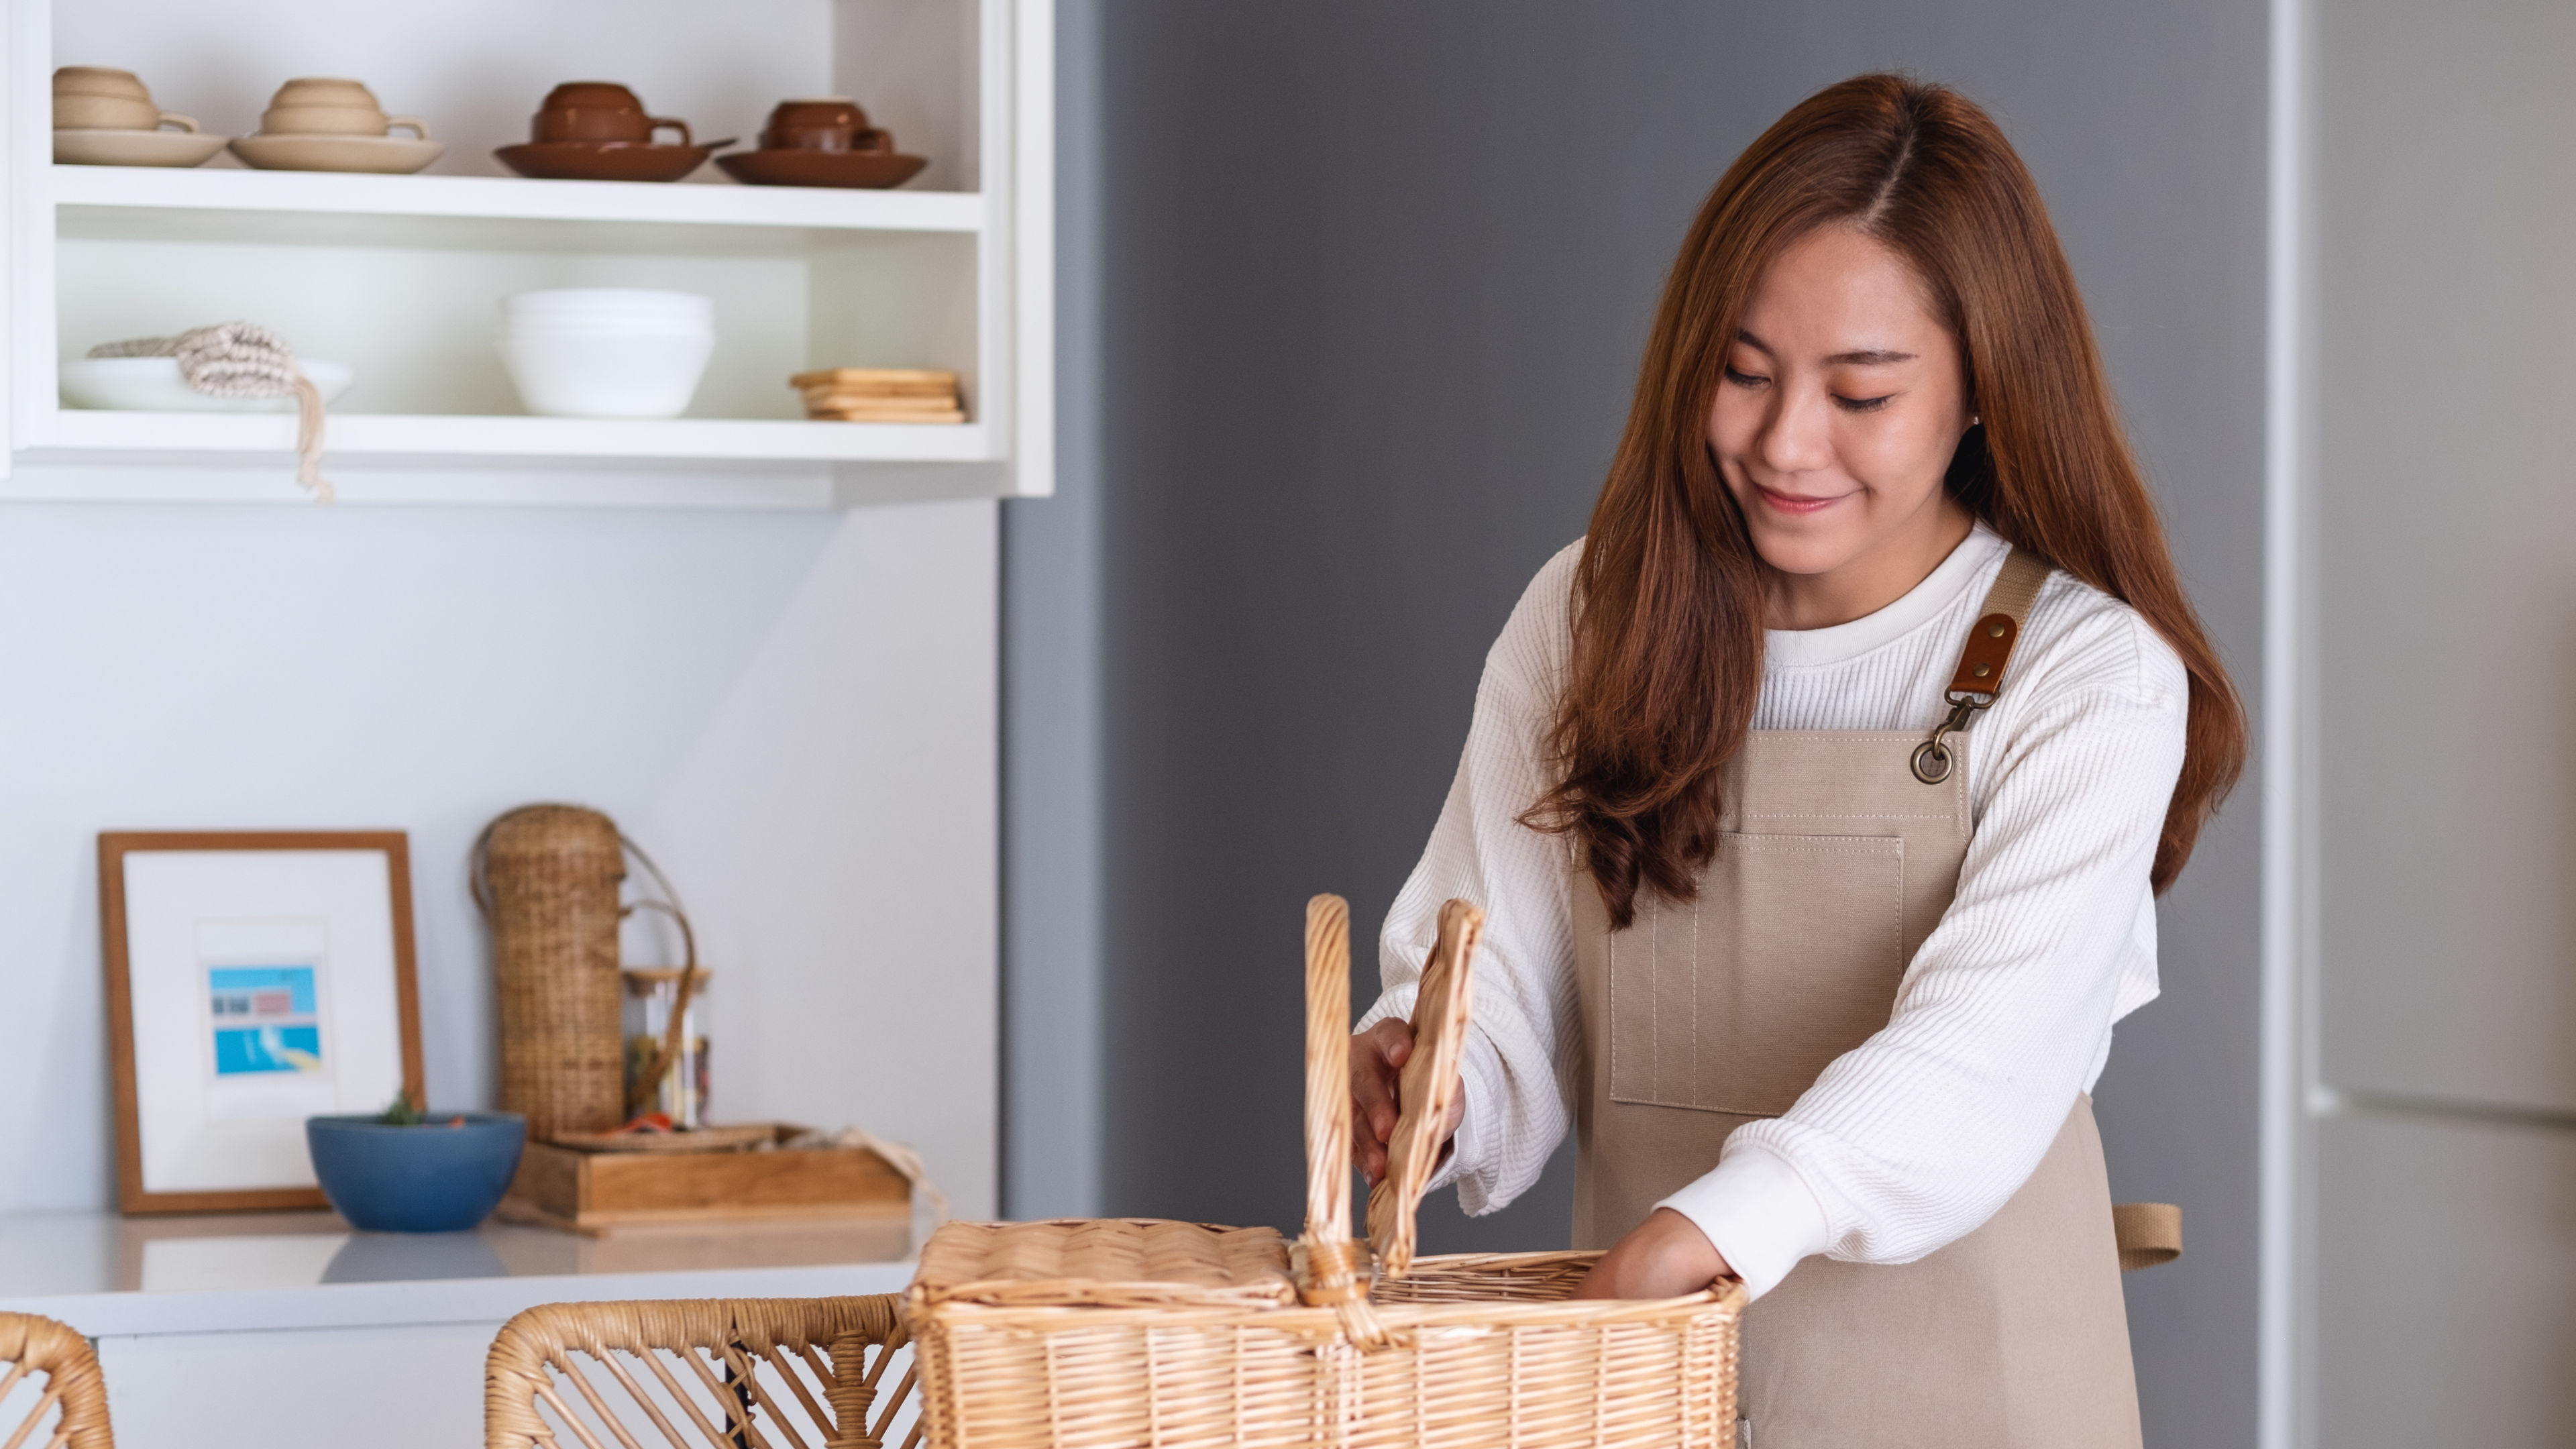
pixel 1842 402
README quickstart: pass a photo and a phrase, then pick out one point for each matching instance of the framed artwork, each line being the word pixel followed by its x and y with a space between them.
pixel 254 979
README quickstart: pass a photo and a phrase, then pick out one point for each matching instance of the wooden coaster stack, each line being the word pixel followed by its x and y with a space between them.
pixel 881 395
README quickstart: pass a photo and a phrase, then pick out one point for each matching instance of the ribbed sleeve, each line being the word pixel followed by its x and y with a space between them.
pixel 1914 1138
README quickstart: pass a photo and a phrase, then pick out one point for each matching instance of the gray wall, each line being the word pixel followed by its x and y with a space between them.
pixel 1354 298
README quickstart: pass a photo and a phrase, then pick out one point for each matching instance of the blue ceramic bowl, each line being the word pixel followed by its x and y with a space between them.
pixel 433 1178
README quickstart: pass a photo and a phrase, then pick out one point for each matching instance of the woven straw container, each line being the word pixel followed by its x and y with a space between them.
pixel 547 877
pixel 1175 1335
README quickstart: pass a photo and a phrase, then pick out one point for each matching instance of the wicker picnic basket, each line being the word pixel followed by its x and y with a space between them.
pixel 1140 1332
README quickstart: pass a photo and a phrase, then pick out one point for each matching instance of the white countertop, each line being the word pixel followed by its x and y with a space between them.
pixel 110 1275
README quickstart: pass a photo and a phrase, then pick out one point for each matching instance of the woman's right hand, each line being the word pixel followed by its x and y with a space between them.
pixel 1378 1056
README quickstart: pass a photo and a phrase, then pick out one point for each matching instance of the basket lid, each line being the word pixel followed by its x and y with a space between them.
pixel 1104 1262
pixel 1427 1088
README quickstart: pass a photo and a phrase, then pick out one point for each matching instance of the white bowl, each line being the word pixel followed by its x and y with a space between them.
pixel 607 352
pixel 153 385
pixel 532 314
pixel 606 307
pixel 632 375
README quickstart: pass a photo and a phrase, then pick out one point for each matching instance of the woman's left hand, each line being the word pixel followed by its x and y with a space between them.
pixel 1665 1256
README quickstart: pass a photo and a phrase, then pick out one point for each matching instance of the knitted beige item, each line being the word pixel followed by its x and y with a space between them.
pixel 244 359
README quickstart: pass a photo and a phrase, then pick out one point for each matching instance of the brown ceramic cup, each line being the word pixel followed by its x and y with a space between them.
pixel 600 111
pixel 828 124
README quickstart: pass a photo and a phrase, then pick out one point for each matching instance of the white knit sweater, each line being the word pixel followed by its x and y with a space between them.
pixel 1915 1137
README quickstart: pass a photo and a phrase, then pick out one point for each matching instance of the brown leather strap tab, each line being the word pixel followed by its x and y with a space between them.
pixel 2149 1234
pixel 1998 627
pixel 1989 648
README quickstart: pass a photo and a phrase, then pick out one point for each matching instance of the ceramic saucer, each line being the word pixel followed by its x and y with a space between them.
pixel 604 160
pixel 873 169
pixel 387 155
pixel 134 148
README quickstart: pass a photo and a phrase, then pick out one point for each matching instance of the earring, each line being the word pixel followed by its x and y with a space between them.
pixel 1975 421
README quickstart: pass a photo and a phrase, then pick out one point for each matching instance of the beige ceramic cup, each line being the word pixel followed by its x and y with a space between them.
pixel 326 106
pixel 97 98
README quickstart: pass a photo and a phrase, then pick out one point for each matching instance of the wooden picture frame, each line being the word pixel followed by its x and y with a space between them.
pixel 293 886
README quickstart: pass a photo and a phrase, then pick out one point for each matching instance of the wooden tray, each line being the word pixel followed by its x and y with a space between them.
pixel 595 1193
pixel 702 1139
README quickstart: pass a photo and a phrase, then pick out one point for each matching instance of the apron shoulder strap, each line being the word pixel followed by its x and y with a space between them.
pixel 1980 676
pixel 1998 628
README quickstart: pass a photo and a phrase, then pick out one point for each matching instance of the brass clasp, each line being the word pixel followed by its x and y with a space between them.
pixel 1932 760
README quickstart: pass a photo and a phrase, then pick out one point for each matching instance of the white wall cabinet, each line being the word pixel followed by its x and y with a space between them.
pixel 406 1387
pixel 400 276
pixel 787 696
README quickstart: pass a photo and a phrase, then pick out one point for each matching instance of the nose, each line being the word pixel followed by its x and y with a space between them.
pixel 1797 436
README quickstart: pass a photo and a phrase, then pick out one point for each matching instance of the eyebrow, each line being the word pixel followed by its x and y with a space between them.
pixel 1870 357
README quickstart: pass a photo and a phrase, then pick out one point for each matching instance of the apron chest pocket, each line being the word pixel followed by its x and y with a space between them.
pixel 1790 957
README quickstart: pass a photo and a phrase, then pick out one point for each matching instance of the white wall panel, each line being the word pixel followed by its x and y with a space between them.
pixel 2446 1285
pixel 2446 499
pixel 794 711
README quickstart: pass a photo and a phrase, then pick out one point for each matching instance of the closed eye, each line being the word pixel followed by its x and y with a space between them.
pixel 1862 404
pixel 1745 379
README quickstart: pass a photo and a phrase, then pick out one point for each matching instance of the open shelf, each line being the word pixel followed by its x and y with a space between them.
pixel 73 455
pixel 362 436
pixel 136 203
pixel 401 277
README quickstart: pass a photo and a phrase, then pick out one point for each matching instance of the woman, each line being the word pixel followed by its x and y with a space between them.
pixel 1819 798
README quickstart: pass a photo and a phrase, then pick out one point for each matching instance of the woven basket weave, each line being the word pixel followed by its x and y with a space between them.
pixel 547 877
pixel 1176 1335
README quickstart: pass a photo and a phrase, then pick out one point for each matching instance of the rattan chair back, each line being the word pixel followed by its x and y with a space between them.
pixel 51 1392
pixel 717 1373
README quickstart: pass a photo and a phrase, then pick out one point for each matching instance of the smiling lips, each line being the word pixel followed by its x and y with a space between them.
pixel 1796 505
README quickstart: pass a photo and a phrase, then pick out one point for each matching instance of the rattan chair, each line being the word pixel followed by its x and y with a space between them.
pixel 73 1395
pixel 714 1373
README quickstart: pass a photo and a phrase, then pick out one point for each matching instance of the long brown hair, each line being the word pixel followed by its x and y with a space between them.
pixel 1669 599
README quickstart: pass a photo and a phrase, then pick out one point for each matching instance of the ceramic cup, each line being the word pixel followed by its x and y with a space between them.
pixel 328 106
pixel 100 80
pixel 599 111
pixel 96 98
pixel 832 123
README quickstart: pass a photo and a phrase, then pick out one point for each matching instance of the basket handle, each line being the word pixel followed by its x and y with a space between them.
pixel 674 1032
pixel 1428 1087
pixel 1328 1262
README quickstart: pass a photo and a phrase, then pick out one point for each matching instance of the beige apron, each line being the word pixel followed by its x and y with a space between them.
pixel 1837 859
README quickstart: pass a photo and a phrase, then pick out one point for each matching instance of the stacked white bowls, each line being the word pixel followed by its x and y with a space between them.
pixel 607 352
